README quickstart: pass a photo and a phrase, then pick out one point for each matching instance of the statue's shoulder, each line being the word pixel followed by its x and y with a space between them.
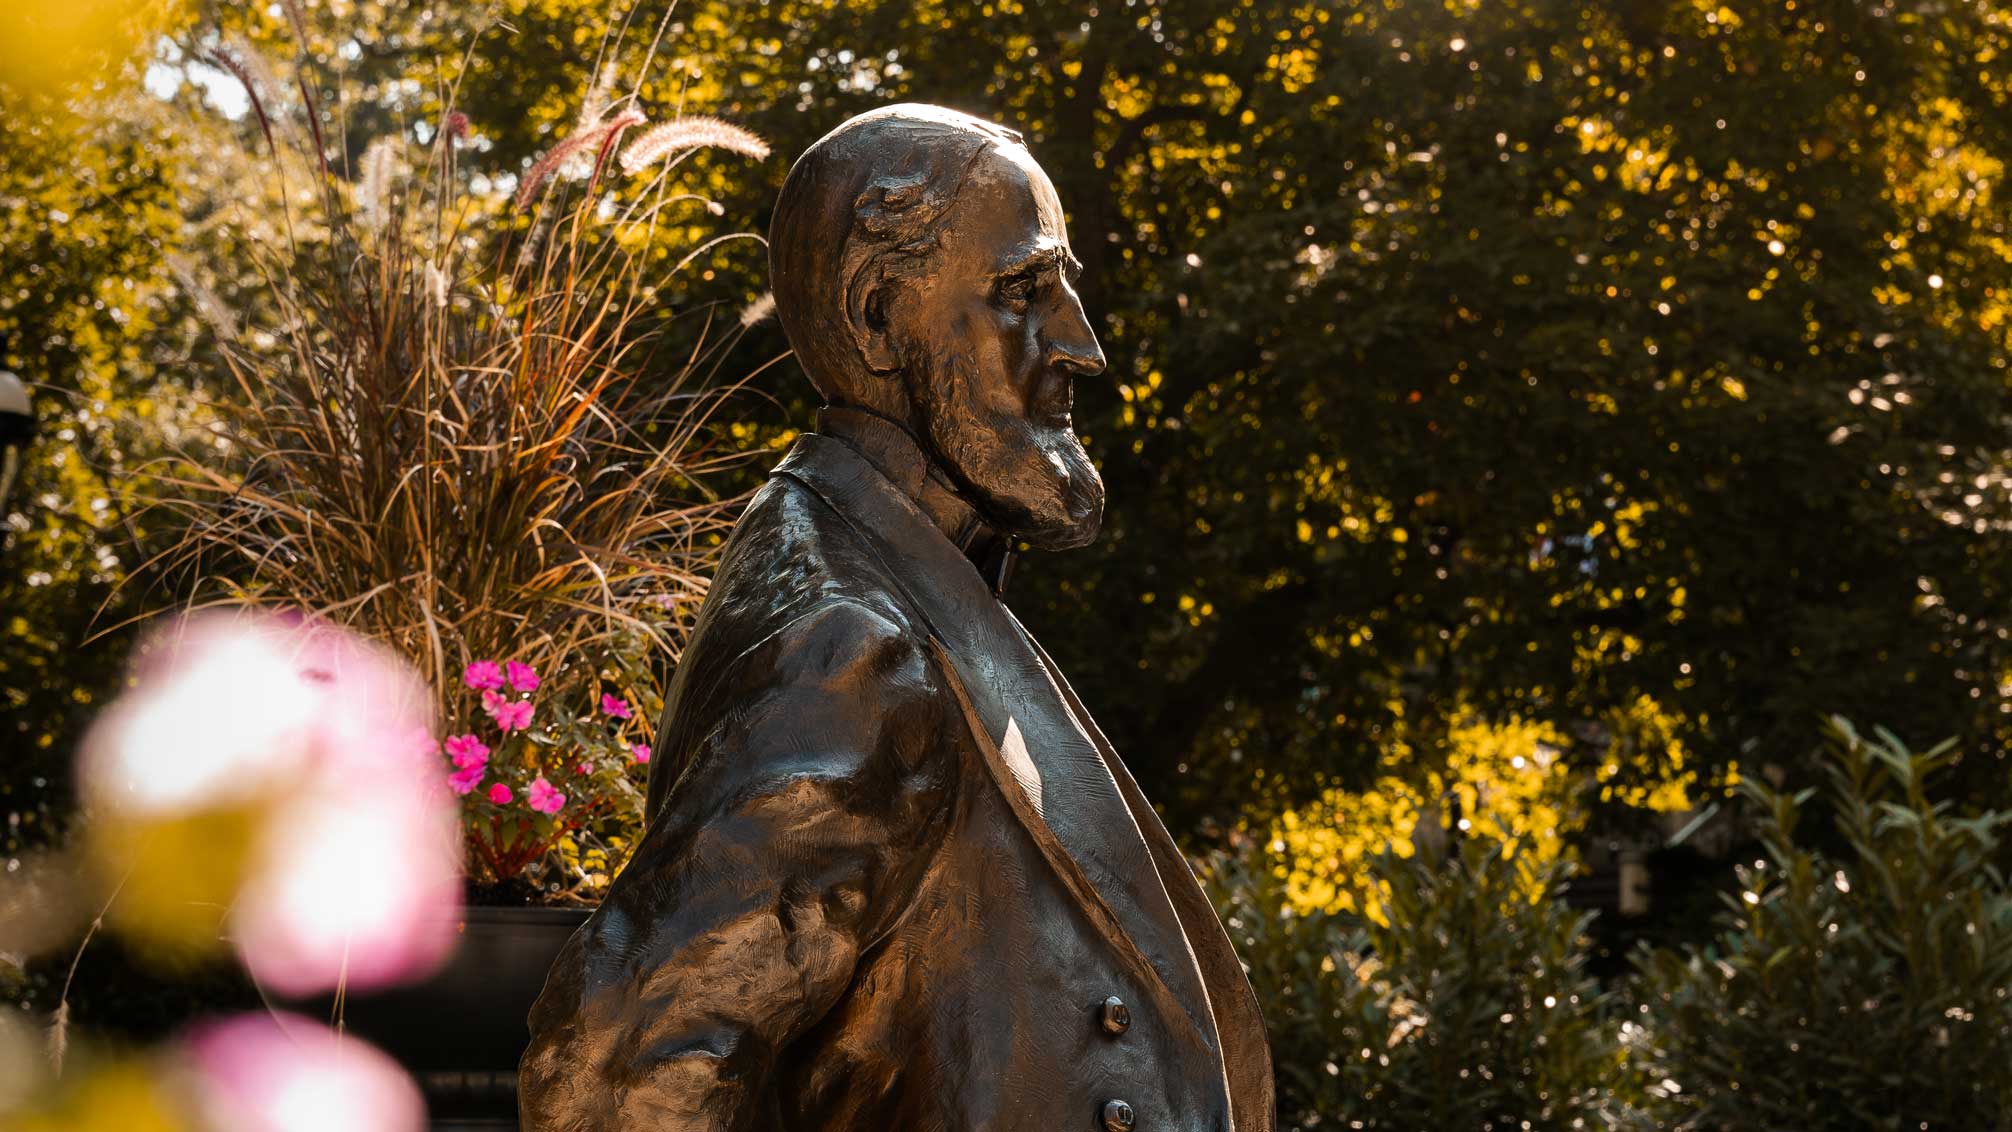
pixel 795 581
pixel 791 554
pixel 799 602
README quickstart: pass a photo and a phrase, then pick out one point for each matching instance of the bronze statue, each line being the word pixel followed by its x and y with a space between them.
pixel 894 876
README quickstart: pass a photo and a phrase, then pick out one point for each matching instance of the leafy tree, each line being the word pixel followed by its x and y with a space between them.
pixel 1634 369
pixel 99 315
pixel 1539 356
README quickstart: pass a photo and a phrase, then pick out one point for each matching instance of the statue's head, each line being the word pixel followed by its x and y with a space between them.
pixel 922 272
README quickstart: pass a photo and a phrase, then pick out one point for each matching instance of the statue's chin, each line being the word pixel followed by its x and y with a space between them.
pixel 1038 487
pixel 1069 527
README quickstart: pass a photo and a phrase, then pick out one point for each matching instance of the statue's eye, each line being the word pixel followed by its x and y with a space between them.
pixel 1019 288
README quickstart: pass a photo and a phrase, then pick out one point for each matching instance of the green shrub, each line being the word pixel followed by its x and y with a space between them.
pixel 1468 1009
pixel 1861 988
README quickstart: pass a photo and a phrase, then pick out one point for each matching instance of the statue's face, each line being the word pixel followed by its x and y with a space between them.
pixel 992 338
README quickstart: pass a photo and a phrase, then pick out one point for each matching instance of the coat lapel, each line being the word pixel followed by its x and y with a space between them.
pixel 1239 1023
pixel 1031 741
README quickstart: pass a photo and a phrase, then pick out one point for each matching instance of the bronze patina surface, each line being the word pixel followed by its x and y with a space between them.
pixel 894 877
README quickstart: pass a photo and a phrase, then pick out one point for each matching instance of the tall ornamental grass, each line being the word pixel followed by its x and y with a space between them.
pixel 470 426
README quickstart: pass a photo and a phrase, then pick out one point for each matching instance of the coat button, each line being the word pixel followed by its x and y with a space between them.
pixel 1114 1015
pixel 1119 1117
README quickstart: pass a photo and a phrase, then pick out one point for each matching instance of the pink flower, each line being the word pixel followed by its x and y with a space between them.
pixel 483 674
pixel 615 706
pixel 641 751
pixel 542 798
pixel 275 1072
pixel 509 714
pixel 584 768
pixel 500 794
pixel 465 780
pixel 467 752
pixel 523 677
pixel 312 737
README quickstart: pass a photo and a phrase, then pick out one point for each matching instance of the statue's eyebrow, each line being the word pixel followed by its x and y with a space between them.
pixel 1053 255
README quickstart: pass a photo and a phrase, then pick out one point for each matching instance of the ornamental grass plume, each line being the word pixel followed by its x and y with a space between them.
pixel 524 470
pixel 759 310
pixel 683 135
pixel 599 136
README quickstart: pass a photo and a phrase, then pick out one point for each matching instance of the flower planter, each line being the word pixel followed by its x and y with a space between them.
pixel 461 1031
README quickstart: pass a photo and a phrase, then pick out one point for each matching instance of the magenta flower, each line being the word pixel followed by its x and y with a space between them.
pixel 641 751
pixel 522 677
pixel 465 780
pixel 584 768
pixel 509 714
pixel 467 751
pixel 500 794
pixel 483 674
pixel 616 706
pixel 542 797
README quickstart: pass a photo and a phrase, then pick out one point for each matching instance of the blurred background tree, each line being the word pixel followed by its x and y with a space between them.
pixel 1634 370
pixel 1638 369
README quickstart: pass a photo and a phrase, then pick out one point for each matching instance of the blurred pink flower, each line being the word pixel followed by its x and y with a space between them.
pixel 641 751
pixel 615 706
pixel 522 676
pixel 279 721
pixel 509 714
pixel 483 674
pixel 467 751
pixel 465 780
pixel 542 797
pixel 500 794
pixel 285 1073
pixel 584 768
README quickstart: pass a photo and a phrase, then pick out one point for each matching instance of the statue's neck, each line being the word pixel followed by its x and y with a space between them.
pixel 896 454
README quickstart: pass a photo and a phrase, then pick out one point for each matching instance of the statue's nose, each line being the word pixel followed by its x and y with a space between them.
pixel 1072 345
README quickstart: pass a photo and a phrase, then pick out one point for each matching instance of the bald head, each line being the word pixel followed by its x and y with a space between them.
pixel 861 209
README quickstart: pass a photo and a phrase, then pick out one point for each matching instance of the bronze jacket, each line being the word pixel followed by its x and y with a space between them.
pixel 901 880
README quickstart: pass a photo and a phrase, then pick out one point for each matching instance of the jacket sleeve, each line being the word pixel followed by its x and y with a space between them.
pixel 792 843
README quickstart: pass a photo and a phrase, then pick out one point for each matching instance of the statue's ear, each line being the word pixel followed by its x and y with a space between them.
pixel 866 317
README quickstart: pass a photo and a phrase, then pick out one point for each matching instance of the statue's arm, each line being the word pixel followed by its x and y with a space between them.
pixel 793 843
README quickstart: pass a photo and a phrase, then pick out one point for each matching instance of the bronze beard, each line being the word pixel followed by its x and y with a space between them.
pixel 1028 478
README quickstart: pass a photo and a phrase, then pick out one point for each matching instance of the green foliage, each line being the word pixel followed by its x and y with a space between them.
pixel 1469 1008
pixel 1861 988
pixel 90 317
pixel 1535 357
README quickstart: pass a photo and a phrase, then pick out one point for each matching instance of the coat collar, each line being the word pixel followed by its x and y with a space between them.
pixel 898 456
